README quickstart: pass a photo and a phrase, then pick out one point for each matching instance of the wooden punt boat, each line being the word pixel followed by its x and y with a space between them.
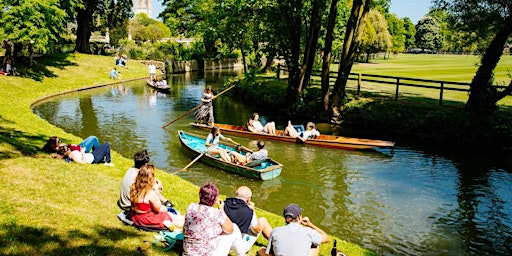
pixel 264 169
pixel 328 141
pixel 162 89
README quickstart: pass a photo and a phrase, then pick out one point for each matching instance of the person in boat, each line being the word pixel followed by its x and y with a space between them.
pixel 254 125
pixel 146 207
pixel 99 155
pixel 310 133
pixel 241 211
pixel 262 153
pixel 205 112
pixel 53 144
pixel 152 71
pixel 207 230
pixel 299 237
pixel 140 159
pixel 212 142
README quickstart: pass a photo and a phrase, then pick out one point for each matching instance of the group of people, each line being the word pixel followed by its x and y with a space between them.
pixel 114 74
pixel 89 151
pixel 121 60
pixel 161 83
pixel 8 60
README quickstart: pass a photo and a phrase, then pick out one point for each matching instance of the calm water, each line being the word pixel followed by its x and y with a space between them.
pixel 414 200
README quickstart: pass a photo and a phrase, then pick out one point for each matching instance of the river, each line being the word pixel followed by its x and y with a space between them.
pixel 416 199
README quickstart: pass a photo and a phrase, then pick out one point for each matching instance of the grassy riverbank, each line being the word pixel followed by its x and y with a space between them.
pixel 49 207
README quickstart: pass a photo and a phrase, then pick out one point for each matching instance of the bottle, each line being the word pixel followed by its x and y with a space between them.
pixel 333 250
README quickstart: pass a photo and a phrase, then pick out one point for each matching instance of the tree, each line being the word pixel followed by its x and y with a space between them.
pixel 376 37
pixel 428 34
pixel 180 16
pixel 410 32
pixel 352 40
pixel 487 18
pixel 397 31
pixel 40 22
pixel 118 14
pixel 145 29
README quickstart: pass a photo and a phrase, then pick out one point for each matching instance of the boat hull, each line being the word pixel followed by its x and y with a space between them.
pixel 166 89
pixel 327 141
pixel 195 144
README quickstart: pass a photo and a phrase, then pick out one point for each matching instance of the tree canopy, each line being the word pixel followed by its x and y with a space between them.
pixel 428 34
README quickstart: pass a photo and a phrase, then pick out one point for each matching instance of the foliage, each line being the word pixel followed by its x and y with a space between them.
pixel 410 32
pixel 376 37
pixel 40 22
pixel 145 29
pixel 397 31
pixel 428 34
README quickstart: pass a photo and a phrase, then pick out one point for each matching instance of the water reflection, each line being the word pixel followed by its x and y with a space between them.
pixel 416 200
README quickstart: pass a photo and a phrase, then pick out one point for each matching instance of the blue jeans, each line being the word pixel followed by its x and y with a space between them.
pixel 100 153
pixel 90 143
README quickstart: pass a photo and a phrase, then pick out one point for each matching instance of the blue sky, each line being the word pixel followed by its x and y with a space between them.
pixel 414 9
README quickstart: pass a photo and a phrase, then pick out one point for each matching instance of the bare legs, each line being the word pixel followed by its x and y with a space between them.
pixel 270 128
pixel 222 153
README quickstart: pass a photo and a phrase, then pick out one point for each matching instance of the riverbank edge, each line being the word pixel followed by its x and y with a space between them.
pixel 39 201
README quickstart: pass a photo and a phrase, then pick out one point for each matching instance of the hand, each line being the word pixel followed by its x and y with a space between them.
pixel 221 204
pixel 251 205
pixel 305 221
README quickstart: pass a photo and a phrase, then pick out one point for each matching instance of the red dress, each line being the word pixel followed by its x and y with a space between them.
pixel 149 218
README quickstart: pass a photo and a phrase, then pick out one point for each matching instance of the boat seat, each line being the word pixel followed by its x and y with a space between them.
pixel 299 128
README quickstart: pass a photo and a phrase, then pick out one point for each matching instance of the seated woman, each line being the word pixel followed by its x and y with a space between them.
pixel 53 143
pixel 254 125
pixel 147 209
pixel 207 230
pixel 212 142
pixel 247 158
pixel 101 154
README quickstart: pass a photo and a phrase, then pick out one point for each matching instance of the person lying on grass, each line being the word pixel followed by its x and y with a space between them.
pixel 100 155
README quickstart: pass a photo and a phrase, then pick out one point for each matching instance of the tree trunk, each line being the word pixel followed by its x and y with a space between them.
pixel 353 34
pixel 83 31
pixel 292 47
pixel 243 53
pixel 326 62
pixel 311 43
pixel 483 96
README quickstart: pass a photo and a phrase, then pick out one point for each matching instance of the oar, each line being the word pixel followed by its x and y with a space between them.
pixel 243 147
pixel 193 161
pixel 196 107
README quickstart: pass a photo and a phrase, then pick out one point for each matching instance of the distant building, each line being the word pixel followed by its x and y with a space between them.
pixel 143 6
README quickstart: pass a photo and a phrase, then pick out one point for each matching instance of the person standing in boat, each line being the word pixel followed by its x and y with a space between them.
pixel 205 112
pixel 212 142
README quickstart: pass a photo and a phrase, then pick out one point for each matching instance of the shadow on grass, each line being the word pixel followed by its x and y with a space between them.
pixel 46 241
pixel 23 143
pixel 40 70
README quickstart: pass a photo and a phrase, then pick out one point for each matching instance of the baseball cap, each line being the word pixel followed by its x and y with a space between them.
pixel 292 210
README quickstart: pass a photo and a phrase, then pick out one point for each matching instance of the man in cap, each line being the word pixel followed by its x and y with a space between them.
pixel 240 211
pixel 294 238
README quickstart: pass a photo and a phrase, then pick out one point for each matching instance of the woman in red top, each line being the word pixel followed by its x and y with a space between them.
pixel 147 210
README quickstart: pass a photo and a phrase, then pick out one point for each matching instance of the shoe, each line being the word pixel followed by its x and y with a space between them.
pixel 109 164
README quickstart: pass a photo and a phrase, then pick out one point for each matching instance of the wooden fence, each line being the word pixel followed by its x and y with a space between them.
pixel 403 86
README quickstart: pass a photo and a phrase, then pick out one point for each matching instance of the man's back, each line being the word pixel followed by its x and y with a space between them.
pixel 124 194
pixel 293 239
pixel 239 213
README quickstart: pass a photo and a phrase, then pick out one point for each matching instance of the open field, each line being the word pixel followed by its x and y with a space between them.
pixel 50 207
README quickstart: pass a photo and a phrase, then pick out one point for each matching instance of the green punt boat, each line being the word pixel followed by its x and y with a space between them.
pixel 264 169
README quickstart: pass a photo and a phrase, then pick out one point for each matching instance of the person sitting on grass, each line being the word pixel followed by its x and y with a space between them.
pixel 238 158
pixel 146 207
pixel 53 143
pixel 99 155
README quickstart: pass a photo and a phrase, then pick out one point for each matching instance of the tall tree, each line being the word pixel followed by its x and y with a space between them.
pixel 39 22
pixel 397 32
pixel 355 27
pixel 428 34
pixel 327 56
pixel 410 32
pixel 379 39
pixel 487 18
pixel 85 24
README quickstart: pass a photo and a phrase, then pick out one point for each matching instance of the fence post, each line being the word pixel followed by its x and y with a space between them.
pixel 441 94
pixel 278 71
pixel 359 84
pixel 397 85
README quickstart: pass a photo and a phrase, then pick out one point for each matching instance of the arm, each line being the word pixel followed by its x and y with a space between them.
pixel 325 237
pixel 155 203
pixel 79 159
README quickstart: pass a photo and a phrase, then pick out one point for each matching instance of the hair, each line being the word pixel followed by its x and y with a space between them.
pixel 208 89
pixel 254 115
pixel 261 144
pixel 141 158
pixel 143 183
pixel 51 145
pixel 289 219
pixel 215 131
pixel 208 193
pixel 62 151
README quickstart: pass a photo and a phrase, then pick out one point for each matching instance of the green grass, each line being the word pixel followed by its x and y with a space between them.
pixel 49 207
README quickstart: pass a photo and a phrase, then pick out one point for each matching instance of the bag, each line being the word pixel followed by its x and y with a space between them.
pixel 170 239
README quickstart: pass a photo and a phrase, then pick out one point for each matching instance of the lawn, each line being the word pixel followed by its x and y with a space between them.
pixel 50 207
